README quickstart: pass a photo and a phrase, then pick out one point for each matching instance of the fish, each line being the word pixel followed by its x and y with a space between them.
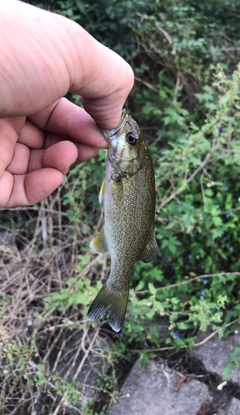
pixel 128 198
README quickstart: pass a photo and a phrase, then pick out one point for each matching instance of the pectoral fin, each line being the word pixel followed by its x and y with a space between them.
pixel 151 250
pixel 99 243
pixel 102 192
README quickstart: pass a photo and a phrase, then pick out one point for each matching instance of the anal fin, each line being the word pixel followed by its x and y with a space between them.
pixel 150 251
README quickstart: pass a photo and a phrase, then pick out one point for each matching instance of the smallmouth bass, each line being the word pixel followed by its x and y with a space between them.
pixel 128 195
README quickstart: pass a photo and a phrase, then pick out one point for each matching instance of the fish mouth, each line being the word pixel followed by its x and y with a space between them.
pixel 127 166
pixel 108 134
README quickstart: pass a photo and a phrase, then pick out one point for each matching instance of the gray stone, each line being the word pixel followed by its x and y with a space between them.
pixel 216 355
pixel 151 391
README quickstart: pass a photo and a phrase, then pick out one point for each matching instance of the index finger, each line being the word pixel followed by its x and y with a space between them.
pixel 71 122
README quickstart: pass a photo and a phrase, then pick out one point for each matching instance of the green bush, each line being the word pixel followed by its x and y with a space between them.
pixel 197 221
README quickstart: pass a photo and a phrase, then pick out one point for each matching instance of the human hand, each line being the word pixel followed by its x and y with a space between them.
pixel 42 134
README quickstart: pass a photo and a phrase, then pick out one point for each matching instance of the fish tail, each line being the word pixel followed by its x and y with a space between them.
pixel 109 304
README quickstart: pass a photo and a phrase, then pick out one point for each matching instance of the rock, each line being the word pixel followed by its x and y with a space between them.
pixel 216 355
pixel 151 391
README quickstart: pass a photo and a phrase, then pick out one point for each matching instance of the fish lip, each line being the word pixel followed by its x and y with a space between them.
pixel 109 134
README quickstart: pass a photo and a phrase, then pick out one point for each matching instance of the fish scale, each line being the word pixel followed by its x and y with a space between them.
pixel 129 206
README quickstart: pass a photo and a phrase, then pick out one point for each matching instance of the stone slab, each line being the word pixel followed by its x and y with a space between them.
pixel 151 391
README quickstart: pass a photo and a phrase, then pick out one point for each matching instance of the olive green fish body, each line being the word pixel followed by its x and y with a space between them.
pixel 129 205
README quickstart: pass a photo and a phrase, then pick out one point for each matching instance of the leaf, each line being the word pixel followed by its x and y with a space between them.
pixel 228 370
pixel 217 233
pixel 152 289
pixel 140 286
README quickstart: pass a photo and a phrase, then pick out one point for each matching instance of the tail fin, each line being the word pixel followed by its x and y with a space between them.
pixel 109 304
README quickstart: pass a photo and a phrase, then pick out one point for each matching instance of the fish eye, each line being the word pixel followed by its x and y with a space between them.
pixel 131 139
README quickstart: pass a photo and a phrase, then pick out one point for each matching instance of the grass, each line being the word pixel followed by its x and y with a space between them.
pixel 47 352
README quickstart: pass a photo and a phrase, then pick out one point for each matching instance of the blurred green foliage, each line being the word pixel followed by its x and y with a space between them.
pixel 233 363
